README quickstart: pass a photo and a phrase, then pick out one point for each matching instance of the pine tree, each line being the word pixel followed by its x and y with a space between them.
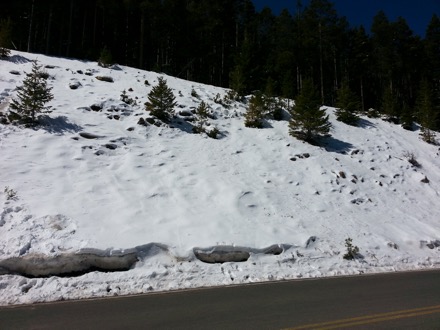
pixel 255 112
pixel 308 120
pixel 32 95
pixel 425 111
pixel 202 110
pixel 347 104
pixel 202 115
pixel 271 104
pixel 407 119
pixel 382 42
pixel 161 101
pixel 390 105
pixel 432 50
pixel 237 81
pixel 359 63
pixel 105 58
pixel 5 37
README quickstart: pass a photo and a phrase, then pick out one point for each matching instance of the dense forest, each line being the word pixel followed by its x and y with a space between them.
pixel 228 43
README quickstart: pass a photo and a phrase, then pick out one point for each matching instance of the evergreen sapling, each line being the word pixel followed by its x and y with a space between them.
pixel 255 112
pixel 202 115
pixel 425 111
pixel 33 95
pixel 161 101
pixel 308 119
pixel 347 105
pixel 352 251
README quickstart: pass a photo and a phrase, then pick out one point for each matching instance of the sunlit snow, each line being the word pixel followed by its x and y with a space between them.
pixel 168 195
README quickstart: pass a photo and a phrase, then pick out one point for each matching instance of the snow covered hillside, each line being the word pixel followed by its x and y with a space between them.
pixel 151 201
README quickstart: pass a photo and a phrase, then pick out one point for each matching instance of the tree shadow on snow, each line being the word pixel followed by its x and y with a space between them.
pixel 363 123
pixel 334 145
pixel 18 59
pixel 266 124
pixel 183 125
pixel 58 125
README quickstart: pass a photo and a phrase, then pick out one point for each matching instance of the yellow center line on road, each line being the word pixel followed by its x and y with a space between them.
pixel 371 318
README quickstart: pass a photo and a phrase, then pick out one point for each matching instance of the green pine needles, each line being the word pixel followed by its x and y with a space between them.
pixel 347 105
pixel 5 37
pixel 255 113
pixel 161 101
pixel 33 95
pixel 308 119
pixel 105 58
pixel 426 111
pixel 390 105
pixel 352 250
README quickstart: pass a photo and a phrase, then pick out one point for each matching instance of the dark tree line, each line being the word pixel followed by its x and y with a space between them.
pixel 227 43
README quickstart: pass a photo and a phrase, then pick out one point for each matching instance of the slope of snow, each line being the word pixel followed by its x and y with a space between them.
pixel 166 193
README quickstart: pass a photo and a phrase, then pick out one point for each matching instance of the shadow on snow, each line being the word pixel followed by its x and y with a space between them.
pixel 18 59
pixel 58 125
pixel 334 145
pixel 363 123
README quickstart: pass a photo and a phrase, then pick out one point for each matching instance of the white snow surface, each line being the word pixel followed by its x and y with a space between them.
pixel 184 191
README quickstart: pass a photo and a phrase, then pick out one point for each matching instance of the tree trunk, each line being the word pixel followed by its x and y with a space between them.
pixel 127 35
pixel 336 70
pixel 362 94
pixel 95 24
pixel 321 63
pixel 69 37
pixel 141 40
pixel 49 28
pixel 30 27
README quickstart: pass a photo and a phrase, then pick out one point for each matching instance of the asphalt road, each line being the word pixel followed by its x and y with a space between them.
pixel 388 301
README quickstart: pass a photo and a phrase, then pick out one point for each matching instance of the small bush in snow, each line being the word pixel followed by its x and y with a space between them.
pixel 194 93
pixel 428 136
pixel 126 99
pixel 373 113
pixel 352 251
pixel 202 110
pixel 4 52
pixel 213 134
pixel 231 96
pixel 217 98
pixel 10 193
pixel 225 101
pixel 412 159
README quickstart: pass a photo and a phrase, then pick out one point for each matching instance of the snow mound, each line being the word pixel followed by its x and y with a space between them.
pixel 222 253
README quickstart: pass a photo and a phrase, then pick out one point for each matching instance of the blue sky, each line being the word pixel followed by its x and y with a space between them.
pixel 417 13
